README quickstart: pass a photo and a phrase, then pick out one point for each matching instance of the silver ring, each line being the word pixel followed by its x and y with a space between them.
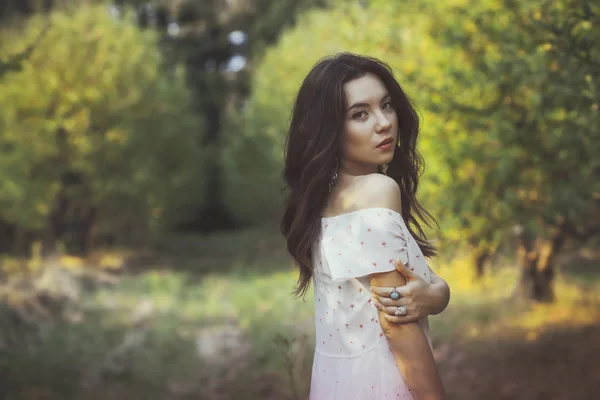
pixel 394 295
pixel 400 311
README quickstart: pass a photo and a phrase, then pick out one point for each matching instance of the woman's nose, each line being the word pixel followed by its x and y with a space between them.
pixel 383 122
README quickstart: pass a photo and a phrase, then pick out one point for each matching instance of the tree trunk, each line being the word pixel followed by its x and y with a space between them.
pixel 87 232
pixel 21 244
pixel 480 259
pixel 56 224
pixel 536 258
pixel 7 236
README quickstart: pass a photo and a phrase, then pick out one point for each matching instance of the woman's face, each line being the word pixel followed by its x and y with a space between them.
pixel 369 119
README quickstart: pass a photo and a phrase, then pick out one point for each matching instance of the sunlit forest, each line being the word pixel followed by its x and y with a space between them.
pixel 141 147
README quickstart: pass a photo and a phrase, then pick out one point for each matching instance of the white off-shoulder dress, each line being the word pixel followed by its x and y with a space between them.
pixel 352 357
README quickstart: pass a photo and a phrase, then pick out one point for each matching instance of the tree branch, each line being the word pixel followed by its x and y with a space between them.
pixel 15 63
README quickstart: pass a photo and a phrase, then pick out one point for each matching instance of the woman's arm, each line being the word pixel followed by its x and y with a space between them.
pixel 439 294
pixel 419 297
pixel 410 348
pixel 407 342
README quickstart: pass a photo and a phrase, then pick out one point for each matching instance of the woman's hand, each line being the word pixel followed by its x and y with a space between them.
pixel 419 297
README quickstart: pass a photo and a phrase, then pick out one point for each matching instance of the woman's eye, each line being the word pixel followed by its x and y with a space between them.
pixel 359 115
pixel 387 105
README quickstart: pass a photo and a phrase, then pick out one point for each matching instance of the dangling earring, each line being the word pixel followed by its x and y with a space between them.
pixel 384 168
pixel 334 175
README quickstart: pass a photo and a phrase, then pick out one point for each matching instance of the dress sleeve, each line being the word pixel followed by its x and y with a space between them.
pixel 365 246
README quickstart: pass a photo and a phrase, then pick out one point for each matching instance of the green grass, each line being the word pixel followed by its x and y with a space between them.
pixel 200 287
pixel 188 291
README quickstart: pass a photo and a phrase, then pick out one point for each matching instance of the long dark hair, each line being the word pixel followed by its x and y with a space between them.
pixel 314 140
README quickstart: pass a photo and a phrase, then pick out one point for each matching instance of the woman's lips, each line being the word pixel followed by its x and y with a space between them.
pixel 386 146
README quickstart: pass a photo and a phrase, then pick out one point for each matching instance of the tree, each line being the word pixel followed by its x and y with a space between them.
pixel 202 44
pixel 96 137
pixel 509 98
pixel 528 76
pixel 253 157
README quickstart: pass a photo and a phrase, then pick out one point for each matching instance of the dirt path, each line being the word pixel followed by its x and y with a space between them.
pixel 558 365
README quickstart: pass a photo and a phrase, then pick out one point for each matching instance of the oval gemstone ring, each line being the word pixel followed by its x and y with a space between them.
pixel 394 295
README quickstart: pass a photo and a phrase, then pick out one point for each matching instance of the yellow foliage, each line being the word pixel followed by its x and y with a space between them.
pixel 573 307
pixel 97 80
pixel 71 263
pixel 116 136
pixel 470 27
pixel 531 336
pixel 11 266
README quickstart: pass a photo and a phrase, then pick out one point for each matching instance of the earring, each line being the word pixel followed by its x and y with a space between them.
pixel 384 168
pixel 334 175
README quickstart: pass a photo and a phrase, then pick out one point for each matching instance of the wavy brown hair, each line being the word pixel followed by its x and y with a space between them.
pixel 314 141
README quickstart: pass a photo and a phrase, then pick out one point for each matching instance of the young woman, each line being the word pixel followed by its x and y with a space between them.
pixel 352 222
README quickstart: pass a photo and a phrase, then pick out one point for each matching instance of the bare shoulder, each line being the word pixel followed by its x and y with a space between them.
pixel 380 191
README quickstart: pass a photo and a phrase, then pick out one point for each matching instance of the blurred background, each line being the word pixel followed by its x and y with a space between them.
pixel 140 190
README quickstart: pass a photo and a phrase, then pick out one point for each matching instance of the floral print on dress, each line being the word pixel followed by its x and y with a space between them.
pixel 353 246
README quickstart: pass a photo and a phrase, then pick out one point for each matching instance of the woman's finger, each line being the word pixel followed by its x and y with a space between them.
pixel 386 310
pixel 403 291
pixel 405 271
pixel 386 301
pixel 400 320
pixel 389 314
pixel 384 291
